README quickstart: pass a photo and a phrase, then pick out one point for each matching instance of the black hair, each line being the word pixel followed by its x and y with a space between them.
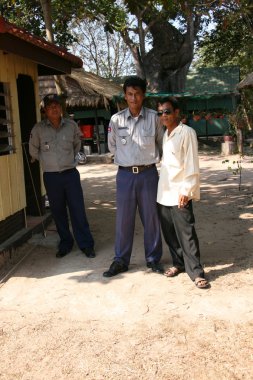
pixel 135 81
pixel 170 99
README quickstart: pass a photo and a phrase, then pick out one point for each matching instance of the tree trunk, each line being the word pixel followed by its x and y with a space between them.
pixel 239 141
pixel 135 53
pixel 166 65
pixel 47 13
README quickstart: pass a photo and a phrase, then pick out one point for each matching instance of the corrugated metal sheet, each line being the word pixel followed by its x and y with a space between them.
pixel 213 80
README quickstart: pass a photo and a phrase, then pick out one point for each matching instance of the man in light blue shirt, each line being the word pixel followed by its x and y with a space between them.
pixel 135 139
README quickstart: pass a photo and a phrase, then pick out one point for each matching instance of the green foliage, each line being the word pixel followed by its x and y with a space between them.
pixel 236 168
pixel 159 33
pixel 28 14
pixel 231 130
pixel 115 15
pixel 231 41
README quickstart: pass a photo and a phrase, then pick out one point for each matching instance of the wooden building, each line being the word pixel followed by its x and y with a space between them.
pixel 23 57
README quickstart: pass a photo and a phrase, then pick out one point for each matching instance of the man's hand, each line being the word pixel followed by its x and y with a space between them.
pixel 182 201
pixel 33 160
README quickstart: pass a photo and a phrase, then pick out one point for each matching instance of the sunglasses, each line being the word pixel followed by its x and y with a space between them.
pixel 165 112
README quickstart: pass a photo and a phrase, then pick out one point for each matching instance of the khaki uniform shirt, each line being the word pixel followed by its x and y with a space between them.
pixel 179 173
pixel 55 148
pixel 135 141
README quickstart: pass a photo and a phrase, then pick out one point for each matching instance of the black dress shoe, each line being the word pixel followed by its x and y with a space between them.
pixel 115 268
pixel 61 254
pixel 156 267
pixel 89 252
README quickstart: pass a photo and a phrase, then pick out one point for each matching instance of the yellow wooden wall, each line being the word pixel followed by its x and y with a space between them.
pixel 12 184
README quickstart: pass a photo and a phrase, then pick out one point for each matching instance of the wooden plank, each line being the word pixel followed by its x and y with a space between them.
pixel 20 180
pixel 18 201
pixel 3 66
pixel 5 189
pixel 12 183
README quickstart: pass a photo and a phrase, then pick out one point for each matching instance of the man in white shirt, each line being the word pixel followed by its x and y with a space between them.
pixel 178 186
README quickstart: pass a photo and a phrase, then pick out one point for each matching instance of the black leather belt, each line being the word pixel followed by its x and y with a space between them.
pixel 68 171
pixel 136 169
pixel 63 171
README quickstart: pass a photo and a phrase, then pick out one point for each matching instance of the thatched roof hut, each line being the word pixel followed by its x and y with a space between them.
pixel 246 82
pixel 82 89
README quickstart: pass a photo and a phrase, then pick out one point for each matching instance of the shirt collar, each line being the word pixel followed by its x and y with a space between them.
pixel 142 113
pixel 49 124
pixel 178 129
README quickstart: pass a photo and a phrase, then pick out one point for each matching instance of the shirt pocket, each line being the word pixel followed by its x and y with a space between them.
pixel 66 143
pixel 123 136
pixel 123 132
pixel 148 135
pixel 174 154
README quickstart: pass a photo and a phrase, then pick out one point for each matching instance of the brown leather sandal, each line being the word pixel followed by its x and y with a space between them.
pixel 202 283
pixel 173 271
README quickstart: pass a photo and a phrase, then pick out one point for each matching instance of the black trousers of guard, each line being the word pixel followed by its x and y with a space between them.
pixel 179 233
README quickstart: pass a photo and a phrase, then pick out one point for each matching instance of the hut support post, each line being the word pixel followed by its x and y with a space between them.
pixel 97 132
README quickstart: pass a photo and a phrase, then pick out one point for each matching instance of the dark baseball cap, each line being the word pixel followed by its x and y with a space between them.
pixel 51 98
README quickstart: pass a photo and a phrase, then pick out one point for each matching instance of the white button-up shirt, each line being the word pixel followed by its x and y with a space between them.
pixel 179 174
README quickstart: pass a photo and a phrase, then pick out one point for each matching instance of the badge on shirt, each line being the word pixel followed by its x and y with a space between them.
pixel 123 141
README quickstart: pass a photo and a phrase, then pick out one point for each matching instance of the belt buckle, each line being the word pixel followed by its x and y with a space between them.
pixel 135 169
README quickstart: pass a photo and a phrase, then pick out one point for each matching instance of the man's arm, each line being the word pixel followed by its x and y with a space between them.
pixel 77 139
pixel 34 144
pixel 191 164
pixel 112 137
pixel 159 136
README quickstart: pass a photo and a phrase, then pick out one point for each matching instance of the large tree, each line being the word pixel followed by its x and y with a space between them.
pixel 162 49
pixel 160 34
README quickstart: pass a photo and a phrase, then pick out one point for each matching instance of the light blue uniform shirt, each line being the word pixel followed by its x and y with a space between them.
pixel 137 140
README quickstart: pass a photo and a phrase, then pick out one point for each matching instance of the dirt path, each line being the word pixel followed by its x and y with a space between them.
pixel 60 319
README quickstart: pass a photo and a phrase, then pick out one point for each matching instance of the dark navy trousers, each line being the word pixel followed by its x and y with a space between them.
pixel 137 191
pixel 64 191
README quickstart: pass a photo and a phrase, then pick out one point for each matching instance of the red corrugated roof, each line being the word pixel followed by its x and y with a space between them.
pixel 8 28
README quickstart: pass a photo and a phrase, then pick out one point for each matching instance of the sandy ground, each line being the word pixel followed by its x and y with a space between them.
pixel 60 319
